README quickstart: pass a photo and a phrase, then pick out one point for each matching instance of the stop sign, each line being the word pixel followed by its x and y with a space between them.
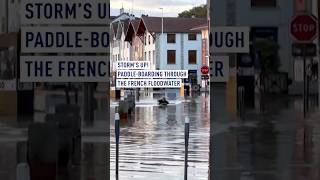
pixel 205 69
pixel 304 28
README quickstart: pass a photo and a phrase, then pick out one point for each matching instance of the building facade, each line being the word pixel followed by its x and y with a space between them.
pixel 3 16
pixel 177 44
pixel 276 17
pixel 9 16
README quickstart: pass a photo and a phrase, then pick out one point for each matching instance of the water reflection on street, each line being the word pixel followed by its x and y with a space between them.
pixel 276 144
pixel 53 155
pixel 152 142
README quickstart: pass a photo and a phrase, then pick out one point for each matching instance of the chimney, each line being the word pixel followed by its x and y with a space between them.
pixel 122 10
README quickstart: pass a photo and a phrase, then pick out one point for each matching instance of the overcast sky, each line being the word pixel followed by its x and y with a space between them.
pixel 151 7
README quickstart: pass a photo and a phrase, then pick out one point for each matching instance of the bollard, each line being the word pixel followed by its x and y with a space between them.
pixel 186 145
pixel 241 101
pixel 23 171
pixel 117 133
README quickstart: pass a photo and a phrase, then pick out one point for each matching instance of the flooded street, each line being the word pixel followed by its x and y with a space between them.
pixel 152 142
pixel 274 144
pixel 87 159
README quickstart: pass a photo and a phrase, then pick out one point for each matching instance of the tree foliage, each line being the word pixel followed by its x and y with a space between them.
pixel 198 12
pixel 270 60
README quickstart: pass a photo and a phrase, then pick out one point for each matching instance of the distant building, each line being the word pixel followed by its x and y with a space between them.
pixel 9 16
pixel 120 50
pixel 14 15
pixel 3 16
pixel 268 20
pixel 178 48
pixel 204 50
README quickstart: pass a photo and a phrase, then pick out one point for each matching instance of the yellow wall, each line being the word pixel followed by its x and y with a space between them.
pixel 8 103
pixel 8 99
pixel 232 95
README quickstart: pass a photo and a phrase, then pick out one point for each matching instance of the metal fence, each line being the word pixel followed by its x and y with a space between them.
pixel 273 83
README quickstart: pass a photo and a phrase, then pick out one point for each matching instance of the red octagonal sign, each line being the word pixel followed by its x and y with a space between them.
pixel 205 69
pixel 304 28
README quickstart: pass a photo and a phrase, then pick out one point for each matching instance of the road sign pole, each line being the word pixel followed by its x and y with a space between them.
pixel 308 89
pixel 117 133
pixel 186 136
pixel 304 29
pixel 304 83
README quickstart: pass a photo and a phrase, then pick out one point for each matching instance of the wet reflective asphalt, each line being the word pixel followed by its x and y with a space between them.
pixel 87 158
pixel 271 143
pixel 152 141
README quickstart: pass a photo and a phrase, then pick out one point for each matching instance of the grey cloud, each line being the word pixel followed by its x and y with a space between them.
pixel 115 12
pixel 160 3
pixel 151 7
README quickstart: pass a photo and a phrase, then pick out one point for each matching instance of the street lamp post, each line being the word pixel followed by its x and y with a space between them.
pixel 161 22
pixel 117 134
pixel 186 145
pixel 161 41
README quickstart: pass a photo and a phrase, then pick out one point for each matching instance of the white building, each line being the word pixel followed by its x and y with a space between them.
pixel 118 27
pixel 14 15
pixel 268 20
pixel 178 47
pixel 3 16
pixel 120 49
pixel 9 16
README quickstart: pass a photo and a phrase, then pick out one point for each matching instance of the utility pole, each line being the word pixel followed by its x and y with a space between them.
pixel 161 26
pixel 132 7
pixel 161 40
pixel 317 13
pixel 7 16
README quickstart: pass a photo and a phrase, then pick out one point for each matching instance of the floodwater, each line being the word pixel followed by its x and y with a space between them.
pixel 87 159
pixel 276 143
pixel 152 142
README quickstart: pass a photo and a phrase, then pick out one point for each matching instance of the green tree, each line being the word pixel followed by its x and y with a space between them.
pixel 270 60
pixel 198 12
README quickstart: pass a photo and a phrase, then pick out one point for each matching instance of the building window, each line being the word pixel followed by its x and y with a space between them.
pixel 149 56
pixel 192 56
pixel 171 57
pixel 192 37
pixel 263 3
pixel 153 56
pixel 145 55
pixel 145 40
pixel 171 38
pixel 149 39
